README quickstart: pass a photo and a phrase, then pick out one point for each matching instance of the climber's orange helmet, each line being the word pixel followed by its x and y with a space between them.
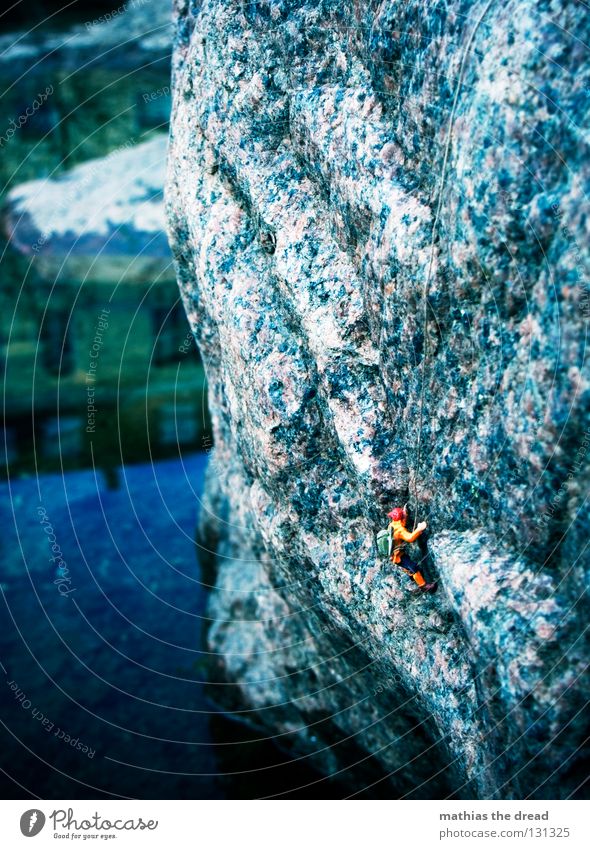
pixel 398 514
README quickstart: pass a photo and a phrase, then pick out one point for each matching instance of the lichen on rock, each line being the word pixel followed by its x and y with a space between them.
pixel 307 163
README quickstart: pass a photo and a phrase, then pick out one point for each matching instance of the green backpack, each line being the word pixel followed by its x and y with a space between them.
pixel 385 542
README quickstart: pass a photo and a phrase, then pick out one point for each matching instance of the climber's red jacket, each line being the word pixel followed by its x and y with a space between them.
pixel 401 536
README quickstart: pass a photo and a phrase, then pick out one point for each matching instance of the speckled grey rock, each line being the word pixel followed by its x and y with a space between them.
pixel 308 142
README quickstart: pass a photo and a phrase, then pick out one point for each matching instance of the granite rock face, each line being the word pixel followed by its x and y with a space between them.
pixel 314 195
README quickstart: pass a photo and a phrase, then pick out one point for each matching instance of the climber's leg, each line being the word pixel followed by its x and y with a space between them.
pixel 417 576
pixel 407 564
pixel 425 587
pixel 411 568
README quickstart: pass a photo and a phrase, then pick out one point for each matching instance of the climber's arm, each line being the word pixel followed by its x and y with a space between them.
pixel 412 536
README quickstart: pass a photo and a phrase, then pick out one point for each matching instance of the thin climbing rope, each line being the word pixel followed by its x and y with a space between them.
pixel 432 249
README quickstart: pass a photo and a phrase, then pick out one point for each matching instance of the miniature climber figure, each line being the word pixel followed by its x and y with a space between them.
pixel 399 536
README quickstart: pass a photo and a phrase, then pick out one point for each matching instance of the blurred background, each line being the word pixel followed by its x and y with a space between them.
pixel 106 436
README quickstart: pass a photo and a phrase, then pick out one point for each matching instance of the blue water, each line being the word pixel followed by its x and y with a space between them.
pixel 104 649
pixel 102 663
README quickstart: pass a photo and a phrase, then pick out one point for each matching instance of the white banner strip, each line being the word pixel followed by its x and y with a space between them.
pixel 295 824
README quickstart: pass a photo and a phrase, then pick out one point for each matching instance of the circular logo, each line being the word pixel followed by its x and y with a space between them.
pixel 32 822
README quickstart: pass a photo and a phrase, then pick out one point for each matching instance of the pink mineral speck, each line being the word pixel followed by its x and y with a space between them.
pixel 544 630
